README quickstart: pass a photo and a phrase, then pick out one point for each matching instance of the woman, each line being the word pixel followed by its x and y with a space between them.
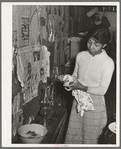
pixel 92 74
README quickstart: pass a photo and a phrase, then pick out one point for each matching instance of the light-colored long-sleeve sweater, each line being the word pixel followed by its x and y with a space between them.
pixel 95 72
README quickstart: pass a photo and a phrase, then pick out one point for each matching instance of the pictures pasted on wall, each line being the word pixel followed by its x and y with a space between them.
pixel 33 64
pixel 36 55
pixel 24 31
pixel 14 37
pixel 41 71
pixel 34 61
pixel 29 71
pixel 42 21
pixel 24 71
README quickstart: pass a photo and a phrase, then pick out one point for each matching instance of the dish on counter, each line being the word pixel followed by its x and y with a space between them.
pixel 112 127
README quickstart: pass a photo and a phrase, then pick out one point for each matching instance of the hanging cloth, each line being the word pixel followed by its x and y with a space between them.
pixel 84 101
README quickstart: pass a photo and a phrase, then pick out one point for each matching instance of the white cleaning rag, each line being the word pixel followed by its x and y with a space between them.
pixel 84 101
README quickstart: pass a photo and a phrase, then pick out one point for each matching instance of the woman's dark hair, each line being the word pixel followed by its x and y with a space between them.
pixel 101 34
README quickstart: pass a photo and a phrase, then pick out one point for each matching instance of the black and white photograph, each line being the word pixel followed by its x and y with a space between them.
pixel 75 102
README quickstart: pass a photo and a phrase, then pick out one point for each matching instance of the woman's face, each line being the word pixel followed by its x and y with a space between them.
pixel 94 47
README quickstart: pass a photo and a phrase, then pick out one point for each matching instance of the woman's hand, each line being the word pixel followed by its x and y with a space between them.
pixel 75 85
pixel 72 86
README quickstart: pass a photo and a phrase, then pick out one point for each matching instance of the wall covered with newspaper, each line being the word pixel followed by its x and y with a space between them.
pixel 39 32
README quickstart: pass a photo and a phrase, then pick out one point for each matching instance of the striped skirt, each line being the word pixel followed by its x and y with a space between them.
pixel 87 129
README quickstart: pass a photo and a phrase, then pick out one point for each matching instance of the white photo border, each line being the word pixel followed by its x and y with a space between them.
pixel 6 38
